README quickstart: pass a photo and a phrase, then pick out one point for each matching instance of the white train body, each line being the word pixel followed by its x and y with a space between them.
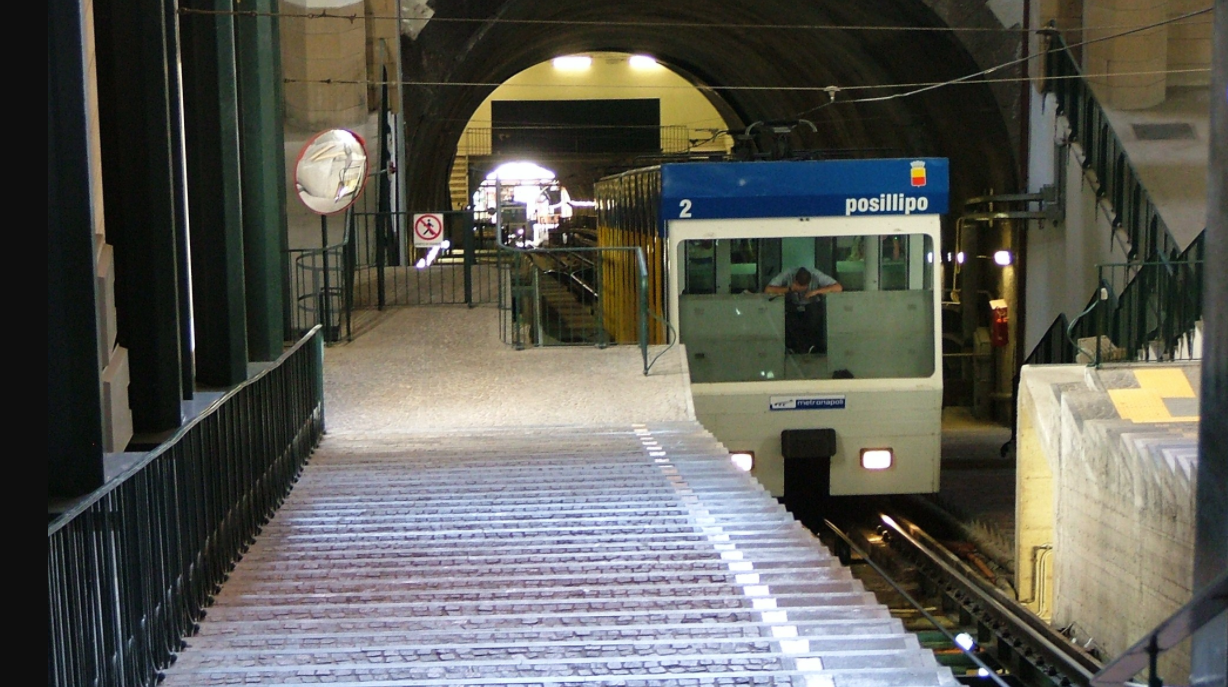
pixel 849 383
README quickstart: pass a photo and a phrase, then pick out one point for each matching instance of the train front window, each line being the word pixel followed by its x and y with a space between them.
pixel 878 323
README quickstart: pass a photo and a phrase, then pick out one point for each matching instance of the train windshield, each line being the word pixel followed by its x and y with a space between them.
pixel 862 307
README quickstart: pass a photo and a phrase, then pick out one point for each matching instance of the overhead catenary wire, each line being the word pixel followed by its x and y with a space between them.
pixel 1026 58
pixel 910 89
pixel 833 90
pixel 353 17
pixel 965 80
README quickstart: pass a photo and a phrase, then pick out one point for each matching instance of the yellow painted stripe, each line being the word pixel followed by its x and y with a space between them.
pixel 1167 382
pixel 1144 405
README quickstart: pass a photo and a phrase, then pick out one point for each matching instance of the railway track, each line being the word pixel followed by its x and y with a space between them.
pixel 956 609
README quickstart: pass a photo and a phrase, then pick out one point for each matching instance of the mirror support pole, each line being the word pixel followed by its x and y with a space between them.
pixel 264 217
pixel 215 201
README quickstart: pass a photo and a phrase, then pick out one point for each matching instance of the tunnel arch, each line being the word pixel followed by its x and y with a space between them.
pixel 973 125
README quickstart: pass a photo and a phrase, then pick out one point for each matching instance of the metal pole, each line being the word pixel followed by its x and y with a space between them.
pixel 1153 655
pixel 537 303
pixel 602 335
pixel 467 241
pixel 1208 665
pixel 325 318
pixel 643 316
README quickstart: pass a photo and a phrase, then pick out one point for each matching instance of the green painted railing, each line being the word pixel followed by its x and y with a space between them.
pixel 1145 309
pixel 132 566
pixel 1113 176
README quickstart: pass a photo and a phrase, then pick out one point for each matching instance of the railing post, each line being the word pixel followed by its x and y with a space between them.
pixel 537 303
pixel 381 253
pixel 1153 655
pixel 317 343
pixel 602 334
pixel 325 315
pixel 642 264
pixel 349 261
pixel 467 244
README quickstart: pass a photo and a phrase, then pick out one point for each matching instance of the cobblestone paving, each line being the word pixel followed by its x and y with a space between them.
pixel 631 555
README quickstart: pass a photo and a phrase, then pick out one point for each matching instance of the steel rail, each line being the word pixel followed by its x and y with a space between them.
pixel 917 605
pixel 1025 633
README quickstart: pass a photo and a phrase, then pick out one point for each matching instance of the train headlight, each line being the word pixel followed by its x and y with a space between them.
pixel 876 458
pixel 743 460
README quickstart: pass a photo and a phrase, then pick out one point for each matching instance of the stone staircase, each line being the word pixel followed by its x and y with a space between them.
pixel 542 556
pixel 458 182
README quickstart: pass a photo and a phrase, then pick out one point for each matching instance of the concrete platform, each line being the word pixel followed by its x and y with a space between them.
pixel 444 368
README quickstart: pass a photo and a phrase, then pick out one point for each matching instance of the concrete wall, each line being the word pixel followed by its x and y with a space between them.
pixel 1062 256
pixel 314 50
pixel 1112 490
pixel 611 77
pixel 1189 46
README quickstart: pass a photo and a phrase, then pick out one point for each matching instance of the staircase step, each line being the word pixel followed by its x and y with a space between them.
pixel 560 556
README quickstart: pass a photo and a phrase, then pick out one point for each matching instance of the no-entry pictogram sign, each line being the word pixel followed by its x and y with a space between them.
pixel 428 229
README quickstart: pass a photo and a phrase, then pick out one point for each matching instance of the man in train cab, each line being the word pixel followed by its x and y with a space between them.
pixel 803 288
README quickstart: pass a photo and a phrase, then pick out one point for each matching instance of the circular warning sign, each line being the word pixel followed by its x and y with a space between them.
pixel 428 229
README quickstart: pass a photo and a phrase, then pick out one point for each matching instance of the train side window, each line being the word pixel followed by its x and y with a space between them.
pixel 893 263
pixel 743 265
pixel 699 257
pixel 850 258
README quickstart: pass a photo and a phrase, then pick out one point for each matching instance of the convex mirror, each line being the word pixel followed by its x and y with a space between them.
pixel 331 171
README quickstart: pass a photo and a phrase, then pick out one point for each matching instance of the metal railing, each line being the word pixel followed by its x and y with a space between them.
pixel 545 301
pixel 1143 311
pixel 1054 347
pixel 322 287
pixel 1207 604
pixel 132 566
pixel 1147 315
pixel 389 270
pixel 1114 178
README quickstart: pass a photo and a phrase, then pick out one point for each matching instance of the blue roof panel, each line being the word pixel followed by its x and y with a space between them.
pixel 811 188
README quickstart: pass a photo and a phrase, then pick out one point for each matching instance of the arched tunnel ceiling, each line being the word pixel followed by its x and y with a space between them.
pixel 729 48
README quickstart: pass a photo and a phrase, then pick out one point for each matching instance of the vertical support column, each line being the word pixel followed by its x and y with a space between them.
pixel 210 97
pixel 136 132
pixel 74 412
pixel 1208 663
pixel 263 149
pixel 1142 56
pixel 187 357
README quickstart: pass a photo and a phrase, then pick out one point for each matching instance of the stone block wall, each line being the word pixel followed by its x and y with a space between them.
pixel 317 50
pixel 1122 496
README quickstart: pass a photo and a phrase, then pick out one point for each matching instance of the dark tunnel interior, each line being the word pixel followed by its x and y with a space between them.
pixel 763 62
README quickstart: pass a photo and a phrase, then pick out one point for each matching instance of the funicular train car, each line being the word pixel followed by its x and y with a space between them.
pixel 839 392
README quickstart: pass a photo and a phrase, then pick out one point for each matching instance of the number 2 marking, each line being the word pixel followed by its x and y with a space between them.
pixel 685 212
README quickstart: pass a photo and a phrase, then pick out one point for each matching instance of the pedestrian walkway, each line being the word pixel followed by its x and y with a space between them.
pixel 477 515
